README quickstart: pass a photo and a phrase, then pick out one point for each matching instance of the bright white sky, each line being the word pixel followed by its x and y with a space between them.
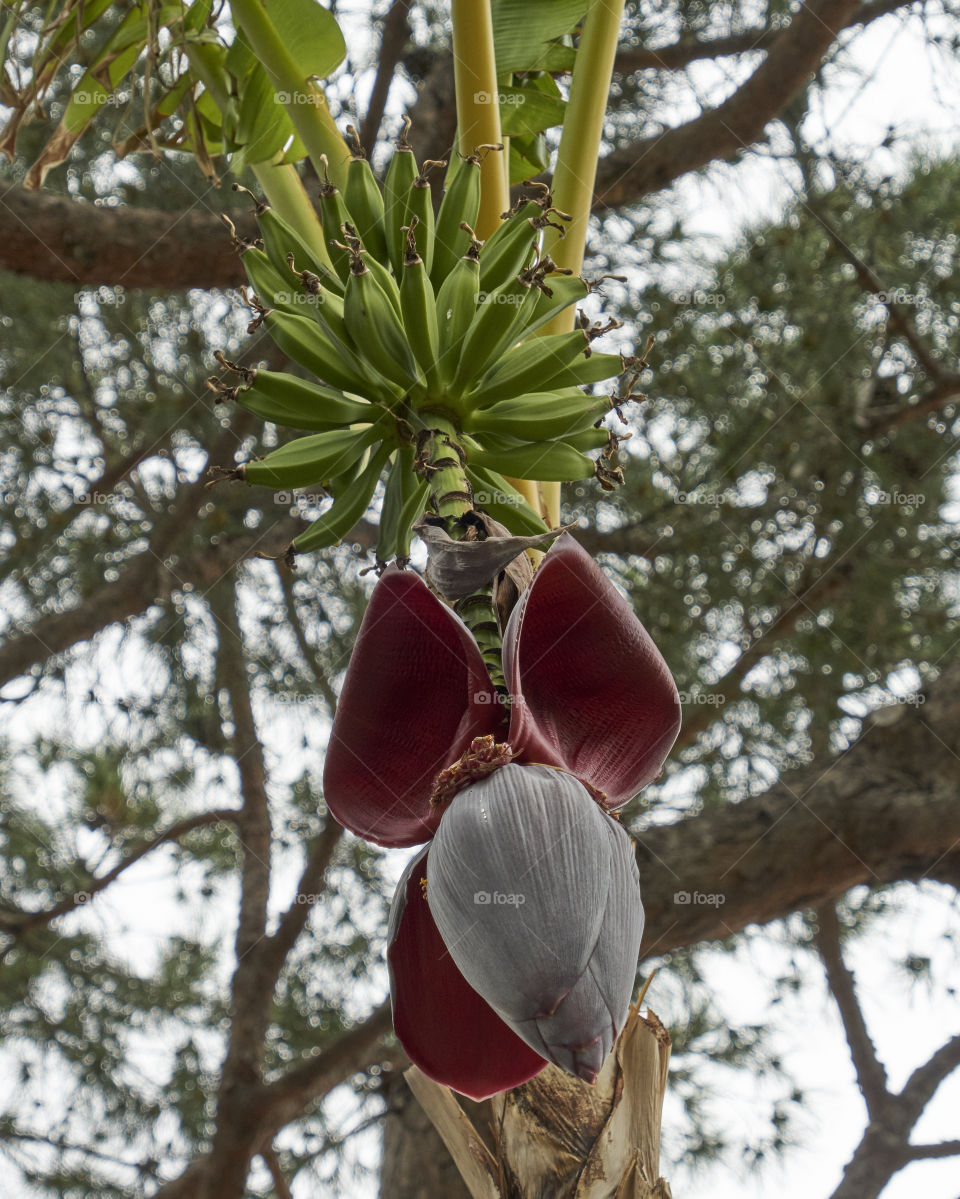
pixel 139 913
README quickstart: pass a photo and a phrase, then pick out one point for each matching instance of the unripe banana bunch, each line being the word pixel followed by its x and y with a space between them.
pixel 411 324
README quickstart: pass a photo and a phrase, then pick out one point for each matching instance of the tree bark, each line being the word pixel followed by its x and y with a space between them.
pixel 71 241
pixel 885 810
pixel 416 1163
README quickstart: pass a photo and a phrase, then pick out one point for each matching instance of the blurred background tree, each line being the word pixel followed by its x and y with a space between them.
pixel 192 993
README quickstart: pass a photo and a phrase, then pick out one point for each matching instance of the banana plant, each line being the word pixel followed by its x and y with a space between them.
pixel 442 355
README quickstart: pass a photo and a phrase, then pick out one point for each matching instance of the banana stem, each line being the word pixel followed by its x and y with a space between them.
pixel 451 497
pixel 306 103
pixel 576 170
pixel 285 192
pixel 478 105
pixel 280 182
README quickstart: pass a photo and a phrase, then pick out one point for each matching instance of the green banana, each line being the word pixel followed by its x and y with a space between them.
pixel 410 513
pixel 349 504
pixel 386 280
pixel 303 339
pixel 381 273
pixel 567 290
pixel 456 309
pixel 389 526
pixel 296 403
pixel 272 289
pixel 460 206
pixel 589 439
pixel 311 460
pixel 509 249
pixel 498 324
pixel 418 306
pixel 540 415
pixel 495 495
pixel 539 364
pixel 420 205
pixel 404 498
pixel 376 328
pixel 334 214
pixel 281 239
pixel 324 305
pixel 549 461
pixel 396 186
pixel 364 201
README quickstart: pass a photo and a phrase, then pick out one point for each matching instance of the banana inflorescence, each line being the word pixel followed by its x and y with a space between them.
pixel 418 337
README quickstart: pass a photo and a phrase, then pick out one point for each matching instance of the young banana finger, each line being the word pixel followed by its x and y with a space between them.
pixel 397 182
pixel 456 309
pixel 311 460
pixel 548 461
pixel 376 328
pixel 364 201
pixel 418 306
pixel 296 403
pixel 542 415
pixel 495 495
pixel 348 507
pixel 459 207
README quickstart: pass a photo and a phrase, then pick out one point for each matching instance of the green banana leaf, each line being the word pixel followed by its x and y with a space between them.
pixel 523 31
pixel 311 34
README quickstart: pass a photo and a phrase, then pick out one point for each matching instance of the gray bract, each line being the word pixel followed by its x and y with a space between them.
pixel 536 894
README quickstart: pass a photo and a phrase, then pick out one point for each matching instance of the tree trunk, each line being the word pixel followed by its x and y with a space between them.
pixel 416 1163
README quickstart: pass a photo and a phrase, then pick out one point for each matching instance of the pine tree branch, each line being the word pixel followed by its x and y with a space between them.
pixel 885 810
pixel 309 889
pixel 285 580
pixel 885 1147
pixel 920 1087
pixel 272 1162
pixel 143 582
pixel 871 1075
pixel 677 55
pixel 287 1097
pixel 18 923
pixel 653 163
pixel 870 282
pixel 917 1153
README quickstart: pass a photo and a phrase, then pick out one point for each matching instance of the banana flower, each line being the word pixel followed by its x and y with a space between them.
pixel 514 934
